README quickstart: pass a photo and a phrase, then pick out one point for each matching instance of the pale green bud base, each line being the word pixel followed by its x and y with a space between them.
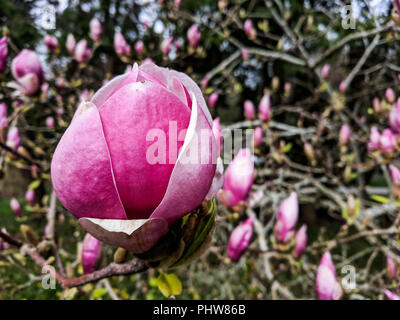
pixel 186 240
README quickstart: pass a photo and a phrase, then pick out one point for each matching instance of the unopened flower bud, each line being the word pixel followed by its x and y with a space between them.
pixel 391 268
pixel 249 112
pixel 325 71
pixel 328 288
pixel 287 216
pixel 16 207
pixel 374 139
pixel 30 196
pixel 264 108
pixel 309 151
pixel 240 239
pixel 212 100
pixel 258 136
pixel 344 135
pixel 387 142
pixel 390 95
pixel 29 235
pixel 91 250
pixel 301 241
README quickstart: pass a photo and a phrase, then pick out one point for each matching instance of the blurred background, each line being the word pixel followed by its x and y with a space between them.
pixel 323 65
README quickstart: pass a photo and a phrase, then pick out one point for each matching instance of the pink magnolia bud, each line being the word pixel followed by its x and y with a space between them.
pixel 193 35
pixel 245 54
pixel 342 86
pixel 51 42
pixel 391 296
pixel 121 47
pixel 3 115
pixel 16 207
pixel 288 214
pixel 30 195
pixel 6 245
pixel 394 118
pixel 239 178
pixel 240 239
pixel 3 53
pixel 374 139
pixel 13 139
pixel 166 45
pixel 212 100
pixel 177 3
pixel 395 175
pixel 177 44
pixel 217 131
pixel 50 122
pixel 249 29
pixel 249 112
pixel 82 53
pixel 301 241
pixel 258 136
pixel 325 71
pixel 344 135
pixel 264 108
pixel 390 95
pixel 387 142
pixel 391 268
pixel 204 82
pixel 377 104
pixel 139 46
pixel 143 186
pixel 70 44
pixel 328 288
pixel 96 30
pixel 91 251
pixel 27 71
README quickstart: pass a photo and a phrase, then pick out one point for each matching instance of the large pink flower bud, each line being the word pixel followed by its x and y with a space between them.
pixel 13 139
pixel 139 46
pixel 240 239
pixel 91 251
pixel 3 53
pixel 30 196
pixel 117 167
pixel 391 296
pixel 391 268
pixel 121 47
pixel 27 71
pixel 96 30
pixel 325 71
pixel 288 214
pixel 249 29
pixel 264 108
pixel 258 136
pixel 387 142
pixel 344 135
pixel 51 42
pixel 3 115
pixel 249 112
pixel 238 179
pixel 328 288
pixel 70 44
pixel 82 52
pixel 374 139
pixel 212 100
pixel 166 45
pixel 301 241
pixel 193 35
pixel 16 207
pixel 390 95
pixel 217 131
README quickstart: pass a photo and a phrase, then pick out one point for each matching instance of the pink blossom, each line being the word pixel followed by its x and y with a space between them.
pixel 328 288
pixel 108 167
pixel 249 111
pixel 390 95
pixel 91 250
pixel 239 178
pixel 96 30
pixel 387 142
pixel 27 71
pixel 264 108
pixel 82 52
pixel 51 42
pixel 240 239
pixel 30 195
pixel 16 207
pixel 3 53
pixel 139 46
pixel 344 135
pixel 193 35
pixel 301 241
pixel 325 71
pixel 249 29
pixel 121 47
pixel 70 44
pixel 287 216
pixel 258 136
pixel 166 45
pixel 13 139
pixel 212 100
pixel 3 115
pixel 245 54
pixel 391 296
pixel 374 140
pixel 391 267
